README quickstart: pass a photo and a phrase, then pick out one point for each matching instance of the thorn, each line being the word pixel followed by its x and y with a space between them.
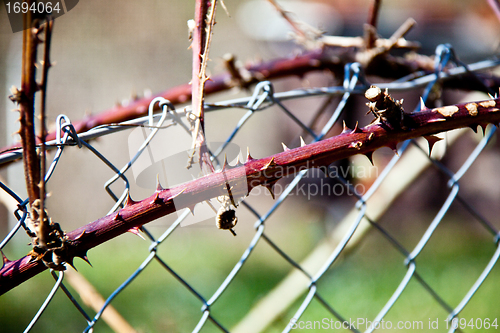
pixel 238 160
pixel 158 185
pixel 4 258
pixel 356 129
pixel 474 127
pixel 370 138
pixel 270 188
pixel 370 156
pixel 483 126
pixel 422 105
pixel 176 195
pixel 285 148
pixel 345 129
pixel 157 200
pixel 431 140
pixel 249 157
pixel 224 164
pixel 269 164
pixel 80 235
pixel 302 143
pixel 84 257
pixel 118 217
pixel 393 147
pixel 87 260
pixel 191 209
pixel 135 231
pixel 129 202
pixel 70 262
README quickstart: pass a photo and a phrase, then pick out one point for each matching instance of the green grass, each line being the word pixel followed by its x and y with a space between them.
pixel 450 263
pixel 356 287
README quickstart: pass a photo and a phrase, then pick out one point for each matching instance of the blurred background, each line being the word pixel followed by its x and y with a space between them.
pixel 109 52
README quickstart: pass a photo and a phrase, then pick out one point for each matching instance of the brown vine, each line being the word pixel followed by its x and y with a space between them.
pixel 202 37
pixel 25 98
pixel 47 238
pixel 327 58
pixel 263 172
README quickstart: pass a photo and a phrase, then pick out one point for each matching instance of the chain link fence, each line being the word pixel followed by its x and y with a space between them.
pixel 353 255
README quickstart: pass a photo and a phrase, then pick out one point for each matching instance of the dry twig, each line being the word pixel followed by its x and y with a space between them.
pixel 370 29
pixel 495 5
pixel 303 33
pixel 48 240
pixel 47 27
pixel 202 37
pixel 25 98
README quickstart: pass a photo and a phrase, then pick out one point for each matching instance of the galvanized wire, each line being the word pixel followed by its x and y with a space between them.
pixel 261 100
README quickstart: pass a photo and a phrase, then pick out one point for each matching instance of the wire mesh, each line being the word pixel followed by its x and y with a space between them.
pixel 288 305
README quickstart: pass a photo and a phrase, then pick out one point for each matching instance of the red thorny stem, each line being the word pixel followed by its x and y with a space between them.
pixel 202 33
pixel 45 234
pixel 328 58
pixel 265 172
pixel 43 98
pixel 27 107
pixel 38 222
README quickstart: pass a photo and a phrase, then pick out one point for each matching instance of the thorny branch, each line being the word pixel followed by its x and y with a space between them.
pixel 49 243
pixel 370 28
pixel 202 37
pixel 43 97
pixel 327 58
pixel 25 98
pixel 389 128
pixel 369 56
pixel 48 239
